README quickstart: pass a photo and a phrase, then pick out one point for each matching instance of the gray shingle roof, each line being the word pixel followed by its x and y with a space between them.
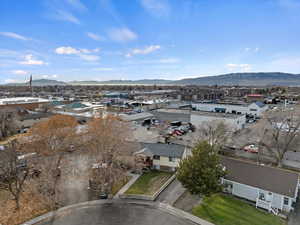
pixel 167 150
pixel 264 177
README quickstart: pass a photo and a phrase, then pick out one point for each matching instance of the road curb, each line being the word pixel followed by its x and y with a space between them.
pixel 161 206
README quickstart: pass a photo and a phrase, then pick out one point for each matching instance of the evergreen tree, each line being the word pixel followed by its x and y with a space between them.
pixel 201 172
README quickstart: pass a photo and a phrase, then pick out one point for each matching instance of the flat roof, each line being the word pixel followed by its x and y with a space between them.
pixel 22 100
pixel 216 114
pixel 268 178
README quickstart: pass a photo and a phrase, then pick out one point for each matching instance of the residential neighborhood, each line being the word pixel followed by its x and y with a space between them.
pixel 149 112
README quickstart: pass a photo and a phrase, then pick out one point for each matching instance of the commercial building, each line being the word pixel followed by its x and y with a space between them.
pixel 234 121
pixel 252 109
pixel 30 103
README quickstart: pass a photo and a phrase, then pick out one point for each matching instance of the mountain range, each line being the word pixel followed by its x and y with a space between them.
pixel 241 79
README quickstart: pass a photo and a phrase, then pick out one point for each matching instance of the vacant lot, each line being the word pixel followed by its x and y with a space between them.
pixel 149 183
pixel 225 210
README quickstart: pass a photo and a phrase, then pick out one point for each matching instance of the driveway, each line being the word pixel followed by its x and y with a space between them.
pixel 294 218
pixel 171 193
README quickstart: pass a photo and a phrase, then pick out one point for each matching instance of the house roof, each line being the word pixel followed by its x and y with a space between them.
pixel 260 104
pixel 264 177
pixel 137 116
pixel 167 150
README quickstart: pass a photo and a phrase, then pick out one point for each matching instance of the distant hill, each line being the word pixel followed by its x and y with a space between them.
pixel 245 79
pixel 40 82
pixel 242 79
pixel 123 82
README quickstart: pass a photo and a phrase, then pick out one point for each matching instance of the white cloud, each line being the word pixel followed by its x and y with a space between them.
pixel 89 57
pixel 29 60
pixel 95 37
pixel 143 51
pixel 66 16
pixel 156 8
pixel 7 81
pixel 14 35
pixel 252 49
pixel 88 51
pixel 47 76
pixel 238 67
pixel 66 50
pixel 82 53
pixel 19 72
pixel 122 34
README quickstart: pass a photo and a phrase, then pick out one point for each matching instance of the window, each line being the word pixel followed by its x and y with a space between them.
pixel 157 157
pixel 171 159
pixel 253 110
pixel 286 201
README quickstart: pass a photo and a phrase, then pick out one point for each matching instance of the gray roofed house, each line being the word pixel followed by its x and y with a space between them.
pixel 162 156
pixel 168 150
pixel 271 188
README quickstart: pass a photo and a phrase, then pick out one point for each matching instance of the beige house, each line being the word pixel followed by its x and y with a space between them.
pixel 162 156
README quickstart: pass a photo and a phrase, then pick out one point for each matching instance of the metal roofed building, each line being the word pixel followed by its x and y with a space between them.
pixel 30 103
pixel 234 121
pixel 253 109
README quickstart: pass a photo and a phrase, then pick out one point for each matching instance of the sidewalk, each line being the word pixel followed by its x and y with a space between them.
pixel 134 177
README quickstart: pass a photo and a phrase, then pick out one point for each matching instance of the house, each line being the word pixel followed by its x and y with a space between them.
pixel 273 189
pixel 250 109
pixel 234 121
pixel 162 156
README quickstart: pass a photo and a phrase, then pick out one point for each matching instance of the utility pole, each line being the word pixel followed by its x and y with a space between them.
pixel 30 84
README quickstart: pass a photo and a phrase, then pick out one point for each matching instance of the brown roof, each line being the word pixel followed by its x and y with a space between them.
pixel 264 177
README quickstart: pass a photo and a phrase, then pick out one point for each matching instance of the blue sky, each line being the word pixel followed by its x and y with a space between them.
pixel 145 39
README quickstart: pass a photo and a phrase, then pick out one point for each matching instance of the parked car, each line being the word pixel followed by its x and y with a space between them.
pixel 103 195
pixel 251 148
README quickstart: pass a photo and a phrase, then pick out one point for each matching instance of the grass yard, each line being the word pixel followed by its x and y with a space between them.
pixel 149 183
pixel 226 210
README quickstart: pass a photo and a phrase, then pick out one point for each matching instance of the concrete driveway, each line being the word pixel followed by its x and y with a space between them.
pixel 171 193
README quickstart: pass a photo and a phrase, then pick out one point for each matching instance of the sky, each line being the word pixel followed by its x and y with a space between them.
pixel 146 39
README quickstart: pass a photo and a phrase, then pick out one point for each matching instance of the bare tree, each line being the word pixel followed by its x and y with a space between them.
pixel 12 173
pixel 51 139
pixel 108 140
pixel 279 132
pixel 215 133
pixel 8 123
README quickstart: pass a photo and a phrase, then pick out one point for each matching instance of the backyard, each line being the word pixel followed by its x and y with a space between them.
pixel 149 183
pixel 221 209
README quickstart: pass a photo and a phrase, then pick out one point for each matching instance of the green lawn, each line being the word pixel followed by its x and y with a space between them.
pixel 226 210
pixel 149 183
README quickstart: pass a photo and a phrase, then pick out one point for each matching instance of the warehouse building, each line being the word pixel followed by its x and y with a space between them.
pixel 252 109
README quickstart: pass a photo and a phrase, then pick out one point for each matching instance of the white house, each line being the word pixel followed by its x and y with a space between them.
pixel 254 109
pixel 234 121
pixel 162 156
pixel 273 189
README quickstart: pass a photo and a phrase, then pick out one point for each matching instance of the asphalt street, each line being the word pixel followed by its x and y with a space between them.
pixel 117 214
